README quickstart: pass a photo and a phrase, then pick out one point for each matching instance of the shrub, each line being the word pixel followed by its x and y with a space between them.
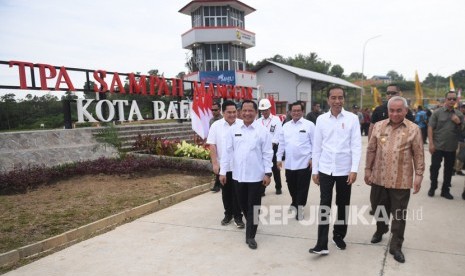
pixel 155 145
pixel 20 180
pixel 193 151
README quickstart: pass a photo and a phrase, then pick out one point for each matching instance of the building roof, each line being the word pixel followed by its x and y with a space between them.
pixel 377 77
pixel 307 74
pixel 193 5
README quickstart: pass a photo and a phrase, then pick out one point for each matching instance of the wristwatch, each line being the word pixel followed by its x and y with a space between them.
pixel 268 174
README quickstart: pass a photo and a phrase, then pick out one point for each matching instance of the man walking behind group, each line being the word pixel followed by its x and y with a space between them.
pixel 421 119
pixel 444 129
pixel 337 148
pixel 313 115
pixel 274 126
pixel 394 154
pixel 216 116
pixel 216 141
pixel 296 140
pixel 248 149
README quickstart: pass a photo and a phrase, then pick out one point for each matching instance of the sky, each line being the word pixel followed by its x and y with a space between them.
pixel 140 35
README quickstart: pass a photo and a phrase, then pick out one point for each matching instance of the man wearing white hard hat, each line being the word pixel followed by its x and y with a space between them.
pixel 274 126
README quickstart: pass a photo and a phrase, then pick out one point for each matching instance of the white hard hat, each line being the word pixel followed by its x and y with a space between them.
pixel 264 104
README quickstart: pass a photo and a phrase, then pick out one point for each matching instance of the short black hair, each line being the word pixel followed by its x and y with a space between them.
pixel 445 95
pixel 299 103
pixel 394 84
pixel 255 106
pixel 332 87
pixel 226 104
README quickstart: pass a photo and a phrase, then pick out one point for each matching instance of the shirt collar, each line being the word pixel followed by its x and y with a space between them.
pixel 269 117
pixel 401 123
pixel 343 113
pixel 227 124
pixel 298 121
pixel 253 125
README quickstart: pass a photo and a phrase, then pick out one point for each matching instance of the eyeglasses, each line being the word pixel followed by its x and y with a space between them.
pixel 391 92
pixel 215 109
pixel 452 99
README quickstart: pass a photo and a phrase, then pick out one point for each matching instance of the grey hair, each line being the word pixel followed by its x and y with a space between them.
pixel 397 98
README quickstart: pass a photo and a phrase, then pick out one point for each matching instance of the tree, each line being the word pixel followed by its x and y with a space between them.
pixel 354 76
pixel 89 90
pixel 69 96
pixel 311 62
pixel 459 79
pixel 337 71
pixel 395 77
pixel 8 104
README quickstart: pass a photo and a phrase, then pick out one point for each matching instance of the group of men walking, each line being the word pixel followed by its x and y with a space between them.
pixel 246 153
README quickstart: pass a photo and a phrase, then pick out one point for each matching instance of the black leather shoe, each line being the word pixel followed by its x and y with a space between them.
pixel 377 237
pixel 398 255
pixel 460 173
pixel 252 243
pixel 447 195
pixel 431 193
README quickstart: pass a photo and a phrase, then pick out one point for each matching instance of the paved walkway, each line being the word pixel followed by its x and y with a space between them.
pixel 187 239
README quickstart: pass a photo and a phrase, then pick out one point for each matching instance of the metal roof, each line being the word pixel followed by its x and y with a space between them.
pixel 314 75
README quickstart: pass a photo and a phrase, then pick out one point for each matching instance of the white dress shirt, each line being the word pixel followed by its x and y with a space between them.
pixel 274 126
pixel 217 137
pixel 296 139
pixel 250 150
pixel 337 144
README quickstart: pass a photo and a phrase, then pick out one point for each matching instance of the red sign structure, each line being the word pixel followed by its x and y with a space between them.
pixel 111 82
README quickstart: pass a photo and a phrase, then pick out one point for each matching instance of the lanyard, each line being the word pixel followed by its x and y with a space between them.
pixel 268 122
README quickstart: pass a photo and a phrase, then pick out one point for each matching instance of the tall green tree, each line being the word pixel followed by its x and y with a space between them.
pixel 337 71
pixel 395 77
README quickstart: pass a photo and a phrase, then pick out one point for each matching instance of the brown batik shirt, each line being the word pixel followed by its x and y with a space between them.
pixel 395 154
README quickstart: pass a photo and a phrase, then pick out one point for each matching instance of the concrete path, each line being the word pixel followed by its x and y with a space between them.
pixel 187 239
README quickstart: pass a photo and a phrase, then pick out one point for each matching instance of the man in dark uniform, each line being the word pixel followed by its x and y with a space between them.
pixel 381 113
pixel 312 115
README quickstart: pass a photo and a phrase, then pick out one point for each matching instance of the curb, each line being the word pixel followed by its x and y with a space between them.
pixel 73 236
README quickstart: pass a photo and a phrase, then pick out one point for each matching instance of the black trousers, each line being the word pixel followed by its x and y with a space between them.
pixel 230 202
pixel 436 159
pixel 250 195
pixel 298 182
pixel 424 134
pixel 276 171
pixel 394 202
pixel 342 202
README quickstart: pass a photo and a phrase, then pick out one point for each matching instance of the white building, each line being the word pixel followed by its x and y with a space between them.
pixel 288 84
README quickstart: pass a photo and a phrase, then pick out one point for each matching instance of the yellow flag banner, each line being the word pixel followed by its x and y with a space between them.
pixel 418 92
pixel 451 84
pixel 377 97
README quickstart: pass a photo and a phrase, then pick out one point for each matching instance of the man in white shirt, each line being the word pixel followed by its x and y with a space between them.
pixel 296 140
pixel 248 149
pixel 216 140
pixel 274 126
pixel 337 148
